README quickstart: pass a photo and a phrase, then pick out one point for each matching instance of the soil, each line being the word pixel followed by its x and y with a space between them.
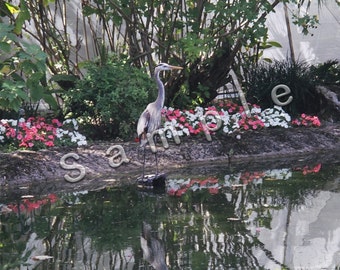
pixel 40 172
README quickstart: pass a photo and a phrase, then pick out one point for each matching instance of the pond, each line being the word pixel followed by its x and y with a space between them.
pixel 216 218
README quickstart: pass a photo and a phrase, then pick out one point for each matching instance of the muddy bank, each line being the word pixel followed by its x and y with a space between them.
pixel 41 172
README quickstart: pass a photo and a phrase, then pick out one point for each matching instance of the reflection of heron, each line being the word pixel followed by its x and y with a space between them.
pixel 153 248
pixel 150 119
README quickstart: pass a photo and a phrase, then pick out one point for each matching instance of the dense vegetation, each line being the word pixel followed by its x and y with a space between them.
pixel 300 77
pixel 87 74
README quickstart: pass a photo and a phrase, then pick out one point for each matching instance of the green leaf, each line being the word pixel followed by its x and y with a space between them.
pixel 11 8
pixel 50 100
pixel 6 32
pixel 28 67
pixel 47 2
pixel 23 15
pixel 34 51
pixel 37 93
pixel 88 10
pixel 274 44
pixel 63 77
pixel 4 46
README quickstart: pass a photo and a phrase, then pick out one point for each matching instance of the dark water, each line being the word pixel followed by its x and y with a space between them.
pixel 283 218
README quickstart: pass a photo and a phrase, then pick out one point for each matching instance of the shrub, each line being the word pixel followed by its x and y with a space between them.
pixel 109 99
pixel 22 75
pixel 327 73
pixel 298 76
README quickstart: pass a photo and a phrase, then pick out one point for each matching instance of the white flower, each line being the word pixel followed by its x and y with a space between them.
pixel 255 110
pixel 59 133
pixel 192 117
pixel 226 130
pixel 199 111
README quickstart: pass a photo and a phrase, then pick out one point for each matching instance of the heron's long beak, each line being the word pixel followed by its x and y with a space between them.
pixel 175 67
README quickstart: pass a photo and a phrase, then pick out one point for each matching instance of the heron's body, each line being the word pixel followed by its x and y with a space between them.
pixel 150 119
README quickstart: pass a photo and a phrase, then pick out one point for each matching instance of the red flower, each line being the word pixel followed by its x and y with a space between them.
pixel 49 143
pixel 213 190
pixel 180 192
pixel 182 119
pixel 52 197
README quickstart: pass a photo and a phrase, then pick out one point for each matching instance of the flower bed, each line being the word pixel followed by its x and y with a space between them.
pixel 37 133
pixel 233 118
pixel 227 117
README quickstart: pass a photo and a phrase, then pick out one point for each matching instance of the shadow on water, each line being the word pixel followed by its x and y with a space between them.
pixel 216 218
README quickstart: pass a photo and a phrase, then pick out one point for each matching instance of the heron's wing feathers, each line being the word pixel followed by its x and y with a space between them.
pixel 142 126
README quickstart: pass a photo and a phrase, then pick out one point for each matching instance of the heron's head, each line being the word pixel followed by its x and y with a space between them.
pixel 164 66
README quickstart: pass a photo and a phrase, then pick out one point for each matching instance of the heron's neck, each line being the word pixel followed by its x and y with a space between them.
pixel 161 95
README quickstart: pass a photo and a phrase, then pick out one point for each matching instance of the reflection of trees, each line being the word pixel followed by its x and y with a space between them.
pixel 101 229
pixel 206 239
pixel 201 221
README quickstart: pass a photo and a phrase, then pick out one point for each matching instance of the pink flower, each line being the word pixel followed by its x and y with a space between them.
pixel 23 144
pixel 182 119
pixel 172 192
pixel 52 197
pixel 56 122
pixel 49 143
pixel 177 113
pixel 316 122
pixel 213 190
pixel 180 192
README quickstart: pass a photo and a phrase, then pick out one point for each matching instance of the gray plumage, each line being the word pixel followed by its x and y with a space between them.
pixel 150 119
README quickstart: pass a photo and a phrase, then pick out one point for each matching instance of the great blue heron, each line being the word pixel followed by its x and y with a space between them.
pixel 150 119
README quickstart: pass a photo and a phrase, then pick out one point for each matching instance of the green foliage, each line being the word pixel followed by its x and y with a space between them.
pixel 22 73
pixel 110 99
pixel 298 76
pixel 203 36
pixel 327 73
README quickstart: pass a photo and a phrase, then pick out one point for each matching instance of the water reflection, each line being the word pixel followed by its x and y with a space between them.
pixel 272 219
pixel 153 248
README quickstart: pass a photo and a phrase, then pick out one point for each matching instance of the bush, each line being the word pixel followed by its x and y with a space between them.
pixel 22 75
pixel 298 76
pixel 327 73
pixel 109 100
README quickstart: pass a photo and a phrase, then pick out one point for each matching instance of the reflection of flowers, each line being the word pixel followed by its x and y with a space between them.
pixel 179 187
pixel 248 177
pixel 307 169
pixel 28 205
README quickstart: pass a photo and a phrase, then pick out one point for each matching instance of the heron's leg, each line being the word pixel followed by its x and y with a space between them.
pixel 156 163
pixel 143 162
